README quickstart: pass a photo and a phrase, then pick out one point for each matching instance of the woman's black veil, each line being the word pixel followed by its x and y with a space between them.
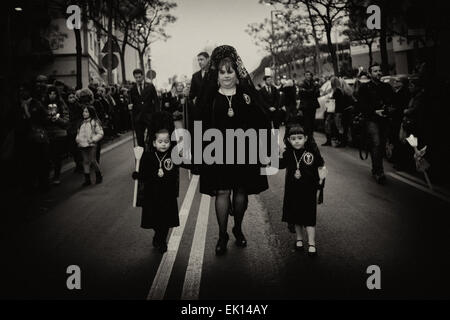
pixel 211 86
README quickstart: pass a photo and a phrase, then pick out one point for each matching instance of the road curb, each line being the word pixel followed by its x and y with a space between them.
pixel 108 148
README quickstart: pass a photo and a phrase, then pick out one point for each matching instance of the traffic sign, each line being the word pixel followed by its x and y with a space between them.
pixel 151 74
pixel 115 47
pixel 115 61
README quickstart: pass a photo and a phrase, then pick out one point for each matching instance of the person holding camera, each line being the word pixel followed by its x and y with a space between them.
pixel 56 127
pixel 375 101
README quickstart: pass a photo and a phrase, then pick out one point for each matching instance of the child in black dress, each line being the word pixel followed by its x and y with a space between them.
pixel 161 181
pixel 305 171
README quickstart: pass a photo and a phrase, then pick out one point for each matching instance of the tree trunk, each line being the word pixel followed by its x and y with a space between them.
pixel 383 45
pixel 316 41
pixel 122 66
pixel 370 53
pixel 79 53
pixel 315 63
pixel 122 55
pixel 332 50
pixel 384 53
pixel 110 25
pixel 141 60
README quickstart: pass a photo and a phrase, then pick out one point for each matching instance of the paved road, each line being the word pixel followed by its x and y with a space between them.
pixel 398 227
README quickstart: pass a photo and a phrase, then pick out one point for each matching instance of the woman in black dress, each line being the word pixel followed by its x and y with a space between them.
pixel 230 101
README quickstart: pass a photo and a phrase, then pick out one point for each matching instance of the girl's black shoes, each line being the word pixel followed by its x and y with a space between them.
pixel 299 245
pixel 312 253
pixel 221 246
pixel 240 239
pixel 98 178
pixel 87 180
pixel 159 244
pixel 162 247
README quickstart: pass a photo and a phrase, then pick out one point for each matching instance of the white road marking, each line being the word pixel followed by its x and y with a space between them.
pixel 159 285
pixel 422 182
pixel 399 177
pixel 420 187
pixel 191 287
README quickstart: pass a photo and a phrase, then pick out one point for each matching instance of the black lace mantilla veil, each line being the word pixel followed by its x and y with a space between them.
pixel 245 86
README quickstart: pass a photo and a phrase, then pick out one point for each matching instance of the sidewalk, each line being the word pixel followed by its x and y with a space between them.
pixel 19 207
pixel 107 146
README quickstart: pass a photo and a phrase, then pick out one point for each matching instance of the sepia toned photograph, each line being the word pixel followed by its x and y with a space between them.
pixel 227 155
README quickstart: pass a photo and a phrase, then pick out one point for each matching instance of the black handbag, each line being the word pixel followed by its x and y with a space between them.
pixel 359 135
pixel 38 135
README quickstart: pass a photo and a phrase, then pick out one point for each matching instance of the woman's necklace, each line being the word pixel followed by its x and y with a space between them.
pixel 230 109
pixel 297 173
pixel 160 170
pixel 229 98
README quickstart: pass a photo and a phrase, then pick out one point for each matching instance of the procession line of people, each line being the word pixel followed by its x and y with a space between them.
pixel 225 98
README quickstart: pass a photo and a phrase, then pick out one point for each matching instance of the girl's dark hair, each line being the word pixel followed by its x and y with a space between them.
pixel 161 131
pixel 295 128
pixel 92 112
pixel 161 122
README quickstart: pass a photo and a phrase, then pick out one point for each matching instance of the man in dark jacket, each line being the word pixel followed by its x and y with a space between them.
pixel 197 78
pixel 309 91
pixel 193 109
pixel 289 100
pixel 145 102
pixel 75 118
pixel 375 100
pixel 270 94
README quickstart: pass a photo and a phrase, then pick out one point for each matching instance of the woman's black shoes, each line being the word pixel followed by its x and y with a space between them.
pixel 240 239
pixel 155 242
pixel 162 247
pixel 221 246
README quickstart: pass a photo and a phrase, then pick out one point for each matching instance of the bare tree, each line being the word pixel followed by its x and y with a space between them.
pixel 151 28
pixel 284 42
pixel 357 29
pixel 125 13
pixel 328 13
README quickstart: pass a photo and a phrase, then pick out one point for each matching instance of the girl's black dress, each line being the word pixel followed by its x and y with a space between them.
pixel 224 176
pixel 160 205
pixel 300 195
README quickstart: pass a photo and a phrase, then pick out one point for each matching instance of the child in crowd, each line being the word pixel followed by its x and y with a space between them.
pixel 90 132
pixel 161 181
pixel 305 173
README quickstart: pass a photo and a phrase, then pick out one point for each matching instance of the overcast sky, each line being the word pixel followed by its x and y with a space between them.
pixel 203 23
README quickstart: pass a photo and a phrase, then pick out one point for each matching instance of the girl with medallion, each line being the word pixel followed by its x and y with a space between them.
pixel 161 181
pixel 305 172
